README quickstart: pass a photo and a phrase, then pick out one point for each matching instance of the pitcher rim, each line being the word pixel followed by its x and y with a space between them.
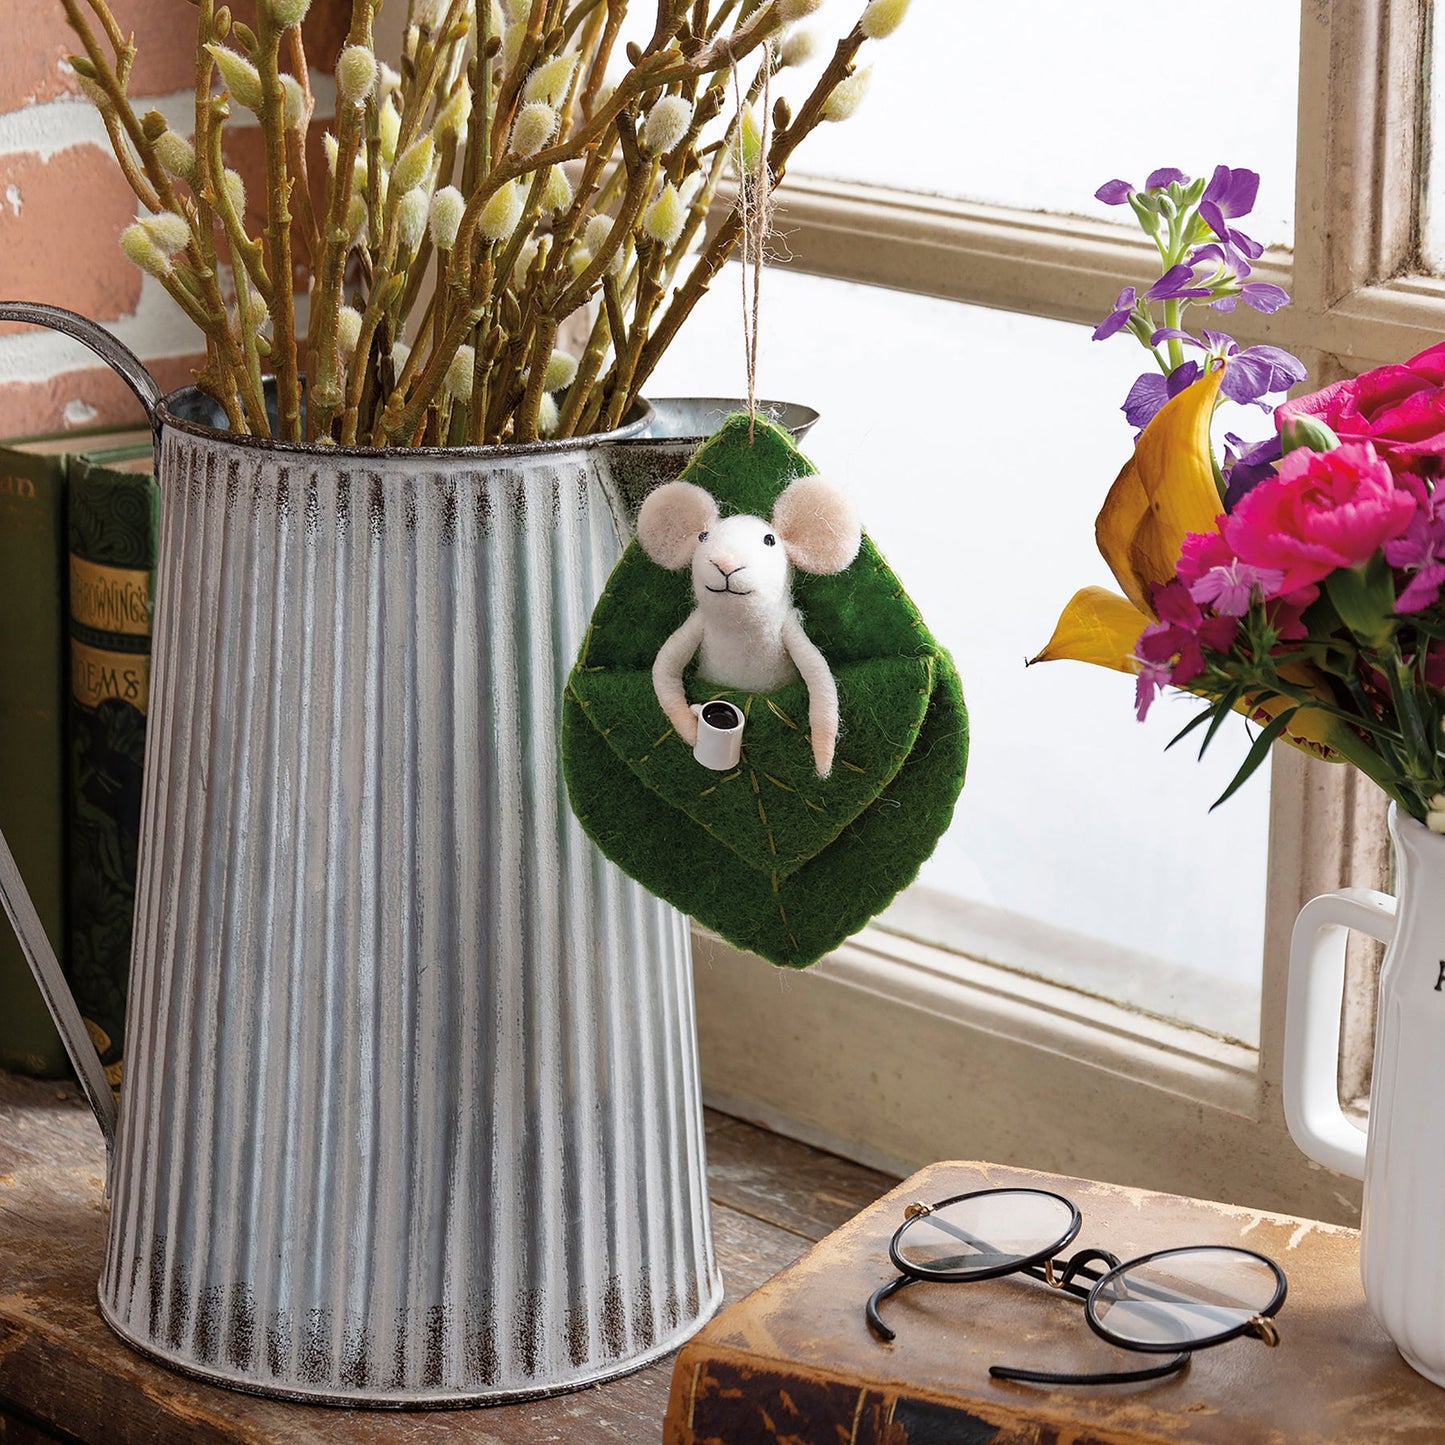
pixel 639 419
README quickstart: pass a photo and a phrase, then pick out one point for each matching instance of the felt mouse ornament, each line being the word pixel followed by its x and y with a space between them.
pixel 744 631
pixel 855 735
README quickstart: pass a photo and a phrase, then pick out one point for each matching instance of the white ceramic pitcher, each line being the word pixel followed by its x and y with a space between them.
pixel 1402 1158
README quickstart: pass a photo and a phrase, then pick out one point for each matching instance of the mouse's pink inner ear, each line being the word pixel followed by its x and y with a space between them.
pixel 819 525
pixel 670 521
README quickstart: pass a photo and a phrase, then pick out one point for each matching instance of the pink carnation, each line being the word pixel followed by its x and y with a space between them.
pixel 1319 512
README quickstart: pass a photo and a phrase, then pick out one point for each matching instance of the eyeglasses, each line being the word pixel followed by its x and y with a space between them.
pixel 1174 1301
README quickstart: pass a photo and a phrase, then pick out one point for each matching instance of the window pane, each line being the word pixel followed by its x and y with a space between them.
pixel 1037 103
pixel 980 445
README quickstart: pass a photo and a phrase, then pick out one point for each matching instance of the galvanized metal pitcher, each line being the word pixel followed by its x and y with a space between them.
pixel 411 1113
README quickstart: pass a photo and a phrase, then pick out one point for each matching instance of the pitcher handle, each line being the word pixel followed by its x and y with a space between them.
pixel 1315 1000
pixel 13 895
pixel 53 988
pixel 120 358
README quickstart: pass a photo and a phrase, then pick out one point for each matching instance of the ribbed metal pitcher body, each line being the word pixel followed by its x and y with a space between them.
pixel 411 1113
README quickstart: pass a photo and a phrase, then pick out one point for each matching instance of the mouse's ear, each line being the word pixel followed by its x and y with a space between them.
pixel 818 524
pixel 670 521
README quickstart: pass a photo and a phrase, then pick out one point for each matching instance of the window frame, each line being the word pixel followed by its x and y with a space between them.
pixel 895 1052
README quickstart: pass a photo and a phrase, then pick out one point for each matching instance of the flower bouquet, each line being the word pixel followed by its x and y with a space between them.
pixel 1299 581
pixel 509 183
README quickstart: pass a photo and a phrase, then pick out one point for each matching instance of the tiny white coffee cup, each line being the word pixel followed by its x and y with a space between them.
pixel 719 734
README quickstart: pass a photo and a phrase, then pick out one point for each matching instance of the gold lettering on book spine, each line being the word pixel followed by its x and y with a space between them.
pixel 110 599
pixel 96 675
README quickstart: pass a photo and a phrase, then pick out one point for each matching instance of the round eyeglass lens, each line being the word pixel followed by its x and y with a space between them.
pixel 1184 1298
pixel 991 1231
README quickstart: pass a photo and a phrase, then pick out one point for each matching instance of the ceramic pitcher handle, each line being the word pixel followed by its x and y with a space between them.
pixel 1312 1109
pixel 120 358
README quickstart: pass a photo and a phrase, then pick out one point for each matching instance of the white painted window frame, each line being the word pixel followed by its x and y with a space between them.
pixel 896 1052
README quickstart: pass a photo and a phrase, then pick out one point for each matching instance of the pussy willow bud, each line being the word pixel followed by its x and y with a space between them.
pixel 235 189
pixel 536 125
pixel 411 218
pixel 388 129
pixel 348 330
pixel 548 416
pixel 446 217
pixel 512 38
pixel 598 235
pixel 332 147
pixel 556 190
pixel 414 165
pixel 456 112
pixel 882 17
pixel 427 14
pixel 152 125
pixel 222 22
pixel 667 123
pixel 400 355
pixel 549 82
pixel 138 246
pixel 241 77
pixel 847 95
pixel 1308 432
pixel 355 74
pixel 176 154
pixel 459 374
pixel 169 231
pixel 500 215
pixel 525 257
pixel 791 10
pixel 388 81
pixel 665 218
pixel 561 371
pixel 748 145
pixel 87 77
pixel 355 217
pixel 578 260
pixel 293 102
pixel 285 13
pixel 799 46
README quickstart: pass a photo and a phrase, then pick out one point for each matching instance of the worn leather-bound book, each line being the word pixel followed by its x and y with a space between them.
pixel 795 1363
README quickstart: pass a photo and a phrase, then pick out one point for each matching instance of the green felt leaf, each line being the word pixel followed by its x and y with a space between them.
pixel 774 858
pixel 773 810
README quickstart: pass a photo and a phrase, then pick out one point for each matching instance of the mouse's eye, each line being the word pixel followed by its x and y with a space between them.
pixel 702 536
pixel 769 540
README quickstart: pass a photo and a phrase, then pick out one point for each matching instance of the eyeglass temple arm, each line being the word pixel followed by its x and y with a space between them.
pixel 1171 1366
pixel 883 1292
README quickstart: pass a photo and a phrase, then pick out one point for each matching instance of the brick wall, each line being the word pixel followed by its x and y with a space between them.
pixel 63 204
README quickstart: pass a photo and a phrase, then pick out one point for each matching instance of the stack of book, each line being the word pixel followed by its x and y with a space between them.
pixel 78 518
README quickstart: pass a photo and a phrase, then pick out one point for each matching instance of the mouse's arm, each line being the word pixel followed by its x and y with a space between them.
pixel 672 657
pixel 822 691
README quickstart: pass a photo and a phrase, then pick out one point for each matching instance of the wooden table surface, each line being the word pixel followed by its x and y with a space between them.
pixel 65 1376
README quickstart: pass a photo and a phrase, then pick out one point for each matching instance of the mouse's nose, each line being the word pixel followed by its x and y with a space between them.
pixel 725 563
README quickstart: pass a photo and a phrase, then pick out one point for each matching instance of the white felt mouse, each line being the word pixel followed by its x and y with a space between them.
pixel 745 631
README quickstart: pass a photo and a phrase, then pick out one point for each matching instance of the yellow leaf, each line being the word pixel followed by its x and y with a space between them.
pixel 1097 626
pixel 1165 491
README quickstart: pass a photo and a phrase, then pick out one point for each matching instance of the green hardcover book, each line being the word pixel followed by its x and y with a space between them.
pixel 32 735
pixel 114 511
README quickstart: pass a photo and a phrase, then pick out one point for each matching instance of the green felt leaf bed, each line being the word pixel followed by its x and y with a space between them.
pixel 771 856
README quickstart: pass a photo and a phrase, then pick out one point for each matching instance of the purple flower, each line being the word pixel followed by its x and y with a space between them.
pixel 1261 295
pixel 1246 466
pixel 1230 194
pixel 1152 390
pixel 1118 318
pixel 1115 193
pixel 1253 373
pixel 1421 549
pixel 1178 283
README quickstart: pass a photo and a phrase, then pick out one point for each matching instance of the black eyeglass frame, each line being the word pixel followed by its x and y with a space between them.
pixel 1062 1274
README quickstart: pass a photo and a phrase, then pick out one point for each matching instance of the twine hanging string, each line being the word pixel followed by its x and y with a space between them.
pixel 755 204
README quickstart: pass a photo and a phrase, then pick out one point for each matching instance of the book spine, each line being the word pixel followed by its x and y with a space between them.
pixel 32 738
pixel 113 517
